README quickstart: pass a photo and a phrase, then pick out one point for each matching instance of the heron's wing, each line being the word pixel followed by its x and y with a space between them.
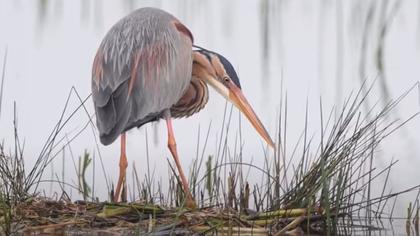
pixel 142 67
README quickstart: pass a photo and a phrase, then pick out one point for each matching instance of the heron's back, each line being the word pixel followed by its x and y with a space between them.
pixel 141 68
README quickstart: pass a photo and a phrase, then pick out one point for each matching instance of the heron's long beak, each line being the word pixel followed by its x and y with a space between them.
pixel 236 97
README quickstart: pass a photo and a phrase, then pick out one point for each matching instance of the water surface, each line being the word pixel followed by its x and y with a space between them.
pixel 311 49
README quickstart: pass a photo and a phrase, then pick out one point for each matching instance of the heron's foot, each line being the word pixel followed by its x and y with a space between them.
pixel 121 179
pixel 190 203
pixel 121 185
pixel 124 192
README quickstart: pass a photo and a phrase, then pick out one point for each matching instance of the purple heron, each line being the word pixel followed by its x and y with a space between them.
pixel 146 69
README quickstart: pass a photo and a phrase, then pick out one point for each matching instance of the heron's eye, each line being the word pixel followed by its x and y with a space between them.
pixel 226 79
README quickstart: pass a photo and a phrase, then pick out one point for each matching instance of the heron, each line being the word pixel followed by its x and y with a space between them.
pixel 147 69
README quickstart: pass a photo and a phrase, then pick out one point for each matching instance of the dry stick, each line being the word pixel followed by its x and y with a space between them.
pixel 272 164
pixel 385 204
pixel 202 154
pixel 205 143
pixel 280 151
pixel 267 187
pixel 350 166
pixel 370 181
pixel 69 141
pixel 297 176
pixel 50 226
pixel 230 230
pixel 44 157
pixel 194 169
pixel 18 164
pixel 295 223
pixel 225 153
pixel 243 194
pixel 292 156
pixel 215 190
pixel 171 189
pixel 93 175
pixel 359 99
pixel 378 199
pixel 305 132
pixel 94 134
pixel 238 171
pixel 201 157
pixel 365 174
pixel 63 168
pixel 284 142
pixel 136 178
pixel 383 189
pixel 63 191
pixel 267 165
pixel 416 219
pixel 133 186
pixel 415 205
pixel 178 180
pixel 71 155
pixel 48 146
pixel 358 160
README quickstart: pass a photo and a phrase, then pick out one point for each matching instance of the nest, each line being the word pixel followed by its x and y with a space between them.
pixel 40 216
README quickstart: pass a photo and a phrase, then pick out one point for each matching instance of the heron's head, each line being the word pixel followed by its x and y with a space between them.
pixel 219 73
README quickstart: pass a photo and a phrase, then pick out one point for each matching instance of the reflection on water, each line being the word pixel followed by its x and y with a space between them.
pixel 385 23
pixel 265 15
pixel 318 48
pixel 373 36
pixel 385 227
pixel 42 13
pixel 85 11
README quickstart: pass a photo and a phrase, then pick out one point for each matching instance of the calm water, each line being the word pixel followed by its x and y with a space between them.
pixel 314 47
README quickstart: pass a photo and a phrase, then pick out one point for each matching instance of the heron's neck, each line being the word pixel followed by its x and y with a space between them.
pixel 194 99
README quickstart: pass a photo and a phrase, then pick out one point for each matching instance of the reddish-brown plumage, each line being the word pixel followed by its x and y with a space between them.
pixel 199 60
pixel 149 58
pixel 184 30
pixel 218 66
pixel 98 69
pixel 189 95
pixel 193 100
pixel 134 71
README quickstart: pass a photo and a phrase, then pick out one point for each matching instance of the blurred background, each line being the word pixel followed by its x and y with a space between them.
pixel 309 50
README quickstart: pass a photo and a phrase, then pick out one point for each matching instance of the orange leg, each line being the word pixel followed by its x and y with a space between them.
pixel 123 168
pixel 172 147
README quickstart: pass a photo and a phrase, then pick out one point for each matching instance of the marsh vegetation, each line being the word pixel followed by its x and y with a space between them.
pixel 346 147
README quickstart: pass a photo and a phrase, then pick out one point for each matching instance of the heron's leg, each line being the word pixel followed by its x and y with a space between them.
pixel 123 167
pixel 172 147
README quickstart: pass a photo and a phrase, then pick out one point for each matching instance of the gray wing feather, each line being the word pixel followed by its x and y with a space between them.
pixel 142 67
